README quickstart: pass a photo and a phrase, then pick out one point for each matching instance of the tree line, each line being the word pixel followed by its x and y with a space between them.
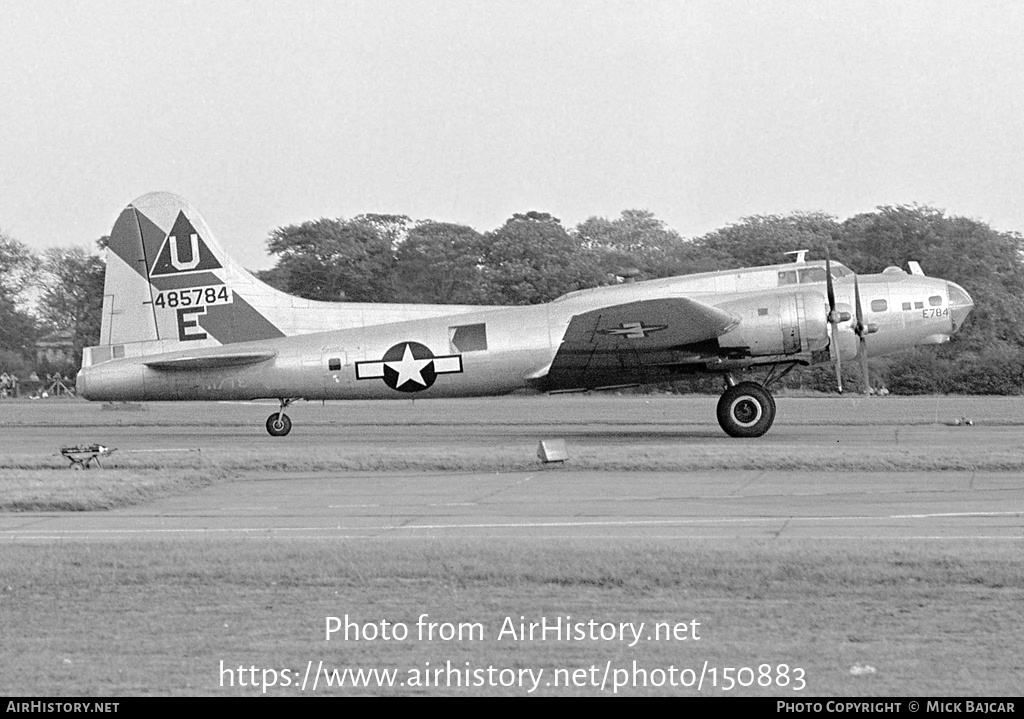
pixel 533 258
pixel 58 290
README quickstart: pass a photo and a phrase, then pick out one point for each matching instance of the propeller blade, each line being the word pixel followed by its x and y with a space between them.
pixel 862 332
pixel 839 360
pixel 863 352
pixel 861 328
pixel 833 317
pixel 828 282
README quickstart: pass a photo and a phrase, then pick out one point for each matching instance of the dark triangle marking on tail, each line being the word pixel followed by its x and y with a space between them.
pixel 237 322
pixel 126 241
pixel 183 251
pixel 178 282
pixel 152 238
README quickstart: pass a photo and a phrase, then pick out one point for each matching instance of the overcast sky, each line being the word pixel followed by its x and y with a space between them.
pixel 264 114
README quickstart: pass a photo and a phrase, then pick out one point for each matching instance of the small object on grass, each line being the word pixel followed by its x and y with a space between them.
pixel 552 450
pixel 124 406
pixel 84 455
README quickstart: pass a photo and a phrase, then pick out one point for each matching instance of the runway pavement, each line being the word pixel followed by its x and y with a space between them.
pixel 564 504
pixel 38 427
pixel 554 503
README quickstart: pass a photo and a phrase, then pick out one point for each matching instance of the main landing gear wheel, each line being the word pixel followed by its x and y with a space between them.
pixel 278 424
pixel 746 410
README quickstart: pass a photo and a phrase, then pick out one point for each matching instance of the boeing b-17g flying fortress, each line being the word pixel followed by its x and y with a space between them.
pixel 183 321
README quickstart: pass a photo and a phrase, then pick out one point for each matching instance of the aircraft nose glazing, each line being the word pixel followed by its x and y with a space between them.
pixel 960 304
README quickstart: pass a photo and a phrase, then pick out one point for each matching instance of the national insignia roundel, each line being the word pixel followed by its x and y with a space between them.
pixel 409 367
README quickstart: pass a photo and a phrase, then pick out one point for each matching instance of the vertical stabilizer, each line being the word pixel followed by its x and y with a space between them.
pixel 127 316
pixel 168 280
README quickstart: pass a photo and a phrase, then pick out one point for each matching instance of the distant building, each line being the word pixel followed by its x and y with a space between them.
pixel 57 348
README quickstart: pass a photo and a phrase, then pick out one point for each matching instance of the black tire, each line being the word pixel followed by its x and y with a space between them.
pixel 278 425
pixel 746 410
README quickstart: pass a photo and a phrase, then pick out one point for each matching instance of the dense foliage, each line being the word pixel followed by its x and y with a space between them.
pixel 18 328
pixel 59 291
pixel 533 258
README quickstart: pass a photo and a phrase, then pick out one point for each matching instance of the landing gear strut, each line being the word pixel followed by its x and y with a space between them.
pixel 278 424
pixel 746 409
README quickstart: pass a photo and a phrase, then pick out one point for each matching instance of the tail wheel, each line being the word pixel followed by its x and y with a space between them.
pixel 746 410
pixel 278 425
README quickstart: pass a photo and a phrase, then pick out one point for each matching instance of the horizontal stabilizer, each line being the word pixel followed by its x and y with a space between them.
pixel 211 360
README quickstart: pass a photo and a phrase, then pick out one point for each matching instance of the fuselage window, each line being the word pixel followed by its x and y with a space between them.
pixel 334 364
pixel 906 305
pixel 468 338
pixel 812 274
pixel 919 305
pixel 935 301
pixel 879 305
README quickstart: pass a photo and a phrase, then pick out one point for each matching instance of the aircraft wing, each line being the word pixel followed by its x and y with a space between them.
pixel 210 359
pixel 627 337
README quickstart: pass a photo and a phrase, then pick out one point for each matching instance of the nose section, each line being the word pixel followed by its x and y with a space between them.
pixel 960 304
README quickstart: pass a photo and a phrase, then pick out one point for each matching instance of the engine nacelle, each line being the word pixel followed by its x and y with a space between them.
pixel 781 324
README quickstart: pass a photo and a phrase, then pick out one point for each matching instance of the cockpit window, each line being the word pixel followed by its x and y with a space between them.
pixel 812 274
pixel 957 296
pixel 879 305
pixel 935 301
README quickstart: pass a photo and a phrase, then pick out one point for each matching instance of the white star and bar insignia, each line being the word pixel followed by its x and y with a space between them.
pixel 409 367
pixel 633 330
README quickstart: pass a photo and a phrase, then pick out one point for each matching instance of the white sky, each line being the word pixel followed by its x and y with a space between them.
pixel 264 114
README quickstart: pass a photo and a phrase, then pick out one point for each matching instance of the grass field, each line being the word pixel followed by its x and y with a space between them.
pixel 857 617
pixel 861 620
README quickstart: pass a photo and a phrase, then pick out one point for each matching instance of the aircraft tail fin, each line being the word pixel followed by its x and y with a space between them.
pixel 170 287
pixel 168 281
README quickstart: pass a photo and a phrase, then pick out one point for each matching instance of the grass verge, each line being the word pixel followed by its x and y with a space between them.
pixel 31 482
pixel 61 490
pixel 859 618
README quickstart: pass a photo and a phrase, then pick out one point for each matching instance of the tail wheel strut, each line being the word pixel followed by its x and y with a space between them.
pixel 279 424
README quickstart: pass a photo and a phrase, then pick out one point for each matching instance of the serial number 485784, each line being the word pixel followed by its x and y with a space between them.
pixel 193 296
